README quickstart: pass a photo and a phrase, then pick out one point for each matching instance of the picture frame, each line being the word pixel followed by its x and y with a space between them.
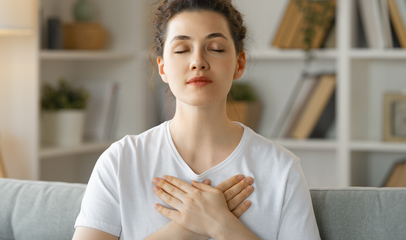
pixel 394 124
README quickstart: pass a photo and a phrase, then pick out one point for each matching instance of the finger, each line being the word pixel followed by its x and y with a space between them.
pixel 207 181
pixel 237 188
pixel 241 209
pixel 170 200
pixel 230 182
pixel 169 213
pixel 239 198
pixel 204 187
pixel 169 188
pixel 184 186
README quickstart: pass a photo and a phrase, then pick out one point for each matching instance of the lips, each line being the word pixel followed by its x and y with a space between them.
pixel 199 81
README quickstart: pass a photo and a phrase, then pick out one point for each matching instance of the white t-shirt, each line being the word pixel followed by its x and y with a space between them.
pixel 119 198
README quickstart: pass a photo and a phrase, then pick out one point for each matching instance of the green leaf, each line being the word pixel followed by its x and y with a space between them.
pixel 63 96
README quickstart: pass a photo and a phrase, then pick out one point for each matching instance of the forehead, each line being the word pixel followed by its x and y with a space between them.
pixel 197 24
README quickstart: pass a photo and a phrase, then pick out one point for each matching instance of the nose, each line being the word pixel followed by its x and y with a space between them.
pixel 199 62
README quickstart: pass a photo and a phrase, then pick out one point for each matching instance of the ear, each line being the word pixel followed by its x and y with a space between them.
pixel 241 61
pixel 161 68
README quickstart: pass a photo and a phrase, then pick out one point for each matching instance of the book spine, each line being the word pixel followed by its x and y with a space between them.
pixel 397 22
pixel 283 26
pixel 386 23
pixel 315 107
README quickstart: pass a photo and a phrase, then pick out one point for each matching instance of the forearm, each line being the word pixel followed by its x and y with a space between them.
pixel 176 232
pixel 233 228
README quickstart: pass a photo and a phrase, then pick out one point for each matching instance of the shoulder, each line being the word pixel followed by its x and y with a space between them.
pixel 151 136
pixel 132 146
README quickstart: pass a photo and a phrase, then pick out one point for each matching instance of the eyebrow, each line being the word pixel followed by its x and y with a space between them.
pixel 210 36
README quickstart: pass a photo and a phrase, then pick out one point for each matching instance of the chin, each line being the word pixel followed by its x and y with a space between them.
pixel 206 102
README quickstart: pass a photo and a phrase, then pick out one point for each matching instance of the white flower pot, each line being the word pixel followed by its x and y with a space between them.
pixel 62 127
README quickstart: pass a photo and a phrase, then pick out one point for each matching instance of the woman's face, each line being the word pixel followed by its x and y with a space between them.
pixel 199 60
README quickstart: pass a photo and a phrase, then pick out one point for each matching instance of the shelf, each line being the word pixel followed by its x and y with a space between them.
pixel 373 146
pixel 293 54
pixel 383 54
pixel 308 144
pixel 15 32
pixel 53 152
pixel 84 55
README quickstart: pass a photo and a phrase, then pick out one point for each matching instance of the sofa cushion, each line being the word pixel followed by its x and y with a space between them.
pixel 360 213
pixel 38 210
pixel 35 210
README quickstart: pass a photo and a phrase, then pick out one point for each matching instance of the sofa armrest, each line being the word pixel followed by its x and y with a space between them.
pixel 31 210
pixel 360 213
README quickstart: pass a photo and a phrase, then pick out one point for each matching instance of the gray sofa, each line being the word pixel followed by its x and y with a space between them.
pixel 35 210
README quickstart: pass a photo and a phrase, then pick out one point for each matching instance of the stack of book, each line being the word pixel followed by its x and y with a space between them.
pixel 102 110
pixel 310 110
pixel 397 176
pixel 384 22
pixel 291 31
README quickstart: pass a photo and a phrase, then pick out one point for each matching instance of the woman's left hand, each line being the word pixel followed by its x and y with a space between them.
pixel 201 208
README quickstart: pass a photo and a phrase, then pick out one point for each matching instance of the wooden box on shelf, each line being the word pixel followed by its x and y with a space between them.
pixel 85 36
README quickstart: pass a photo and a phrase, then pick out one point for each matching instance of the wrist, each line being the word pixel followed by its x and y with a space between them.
pixel 230 227
pixel 183 233
pixel 176 232
pixel 224 225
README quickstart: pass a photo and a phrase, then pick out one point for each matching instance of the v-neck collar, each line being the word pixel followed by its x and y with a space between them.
pixel 221 165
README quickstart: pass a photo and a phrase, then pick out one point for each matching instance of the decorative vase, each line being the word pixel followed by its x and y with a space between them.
pixel 62 128
pixel 83 11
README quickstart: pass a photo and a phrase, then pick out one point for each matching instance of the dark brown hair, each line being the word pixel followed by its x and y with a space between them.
pixel 167 9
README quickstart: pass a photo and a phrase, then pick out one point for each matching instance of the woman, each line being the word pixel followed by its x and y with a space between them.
pixel 200 51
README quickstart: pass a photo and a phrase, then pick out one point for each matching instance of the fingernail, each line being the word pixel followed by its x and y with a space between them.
pixel 165 177
pixel 249 188
pixel 156 188
pixel 247 203
pixel 249 180
pixel 156 206
pixel 155 180
pixel 240 177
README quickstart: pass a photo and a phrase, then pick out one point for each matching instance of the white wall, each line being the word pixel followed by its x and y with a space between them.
pixel 19 94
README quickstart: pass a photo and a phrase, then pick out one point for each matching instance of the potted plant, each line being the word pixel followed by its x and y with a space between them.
pixel 317 14
pixel 243 105
pixel 63 114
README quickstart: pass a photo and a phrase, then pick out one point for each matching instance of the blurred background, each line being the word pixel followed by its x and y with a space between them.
pixel 325 80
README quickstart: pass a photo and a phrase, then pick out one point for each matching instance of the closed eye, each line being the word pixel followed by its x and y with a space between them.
pixel 179 52
pixel 218 50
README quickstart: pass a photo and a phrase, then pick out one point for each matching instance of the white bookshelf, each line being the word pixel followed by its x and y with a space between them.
pixel 119 62
pixel 85 55
pixel 376 146
pixel 26 66
pixel 387 54
pixel 277 54
pixel 312 144
pixel 357 155
pixel 85 148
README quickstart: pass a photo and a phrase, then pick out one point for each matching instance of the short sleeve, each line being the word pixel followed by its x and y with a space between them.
pixel 297 220
pixel 100 207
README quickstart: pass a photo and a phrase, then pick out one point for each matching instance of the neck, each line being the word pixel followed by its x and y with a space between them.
pixel 204 136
